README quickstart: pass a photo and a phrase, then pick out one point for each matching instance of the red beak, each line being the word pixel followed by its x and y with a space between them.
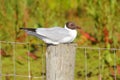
pixel 77 27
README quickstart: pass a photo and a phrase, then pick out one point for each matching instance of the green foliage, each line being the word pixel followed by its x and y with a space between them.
pixel 104 15
pixel 28 13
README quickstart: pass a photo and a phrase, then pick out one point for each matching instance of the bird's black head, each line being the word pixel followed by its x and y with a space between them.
pixel 72 25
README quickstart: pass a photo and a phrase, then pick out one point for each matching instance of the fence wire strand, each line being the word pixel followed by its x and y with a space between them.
pixel 115 65
pixel 86 71
pixel 100 74
pixel 28 53
pixel 14 65
pixel 43 62
pixel 20 76
pixel 0 61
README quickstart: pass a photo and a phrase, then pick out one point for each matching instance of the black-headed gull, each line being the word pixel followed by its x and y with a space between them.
pixel 55 35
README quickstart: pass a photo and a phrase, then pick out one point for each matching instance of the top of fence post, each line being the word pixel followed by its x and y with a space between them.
pixel 60 60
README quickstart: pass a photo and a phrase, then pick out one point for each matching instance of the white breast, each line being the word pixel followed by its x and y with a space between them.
pixel 73 34
pixel 71 37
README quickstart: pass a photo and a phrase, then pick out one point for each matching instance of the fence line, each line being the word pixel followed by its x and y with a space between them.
pixel 0 63
pixel 14 66
pixel 85 64
pixel 115 64
pixel 29 74
pixel 100 63
pixel 15 74
pixel 8 42
pixel 29 64
pixel 100 75
pixel 97 48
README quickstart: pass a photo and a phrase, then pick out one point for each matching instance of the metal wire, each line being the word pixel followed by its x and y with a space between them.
pixel 115 66
pixel 86 71
pixel 8 42
pixel 0 62
pixel 29 69
pixel 14 65
pixel 20 76
pixel 100 74
pixel 43 62
pixel 97 48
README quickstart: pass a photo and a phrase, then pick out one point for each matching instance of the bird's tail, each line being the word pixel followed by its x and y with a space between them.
pixel 29 29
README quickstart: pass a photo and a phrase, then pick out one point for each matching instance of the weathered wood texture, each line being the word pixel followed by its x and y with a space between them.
pixel 60 61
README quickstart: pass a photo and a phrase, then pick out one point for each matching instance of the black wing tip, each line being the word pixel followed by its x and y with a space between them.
pixel 28 29
pixel 21 28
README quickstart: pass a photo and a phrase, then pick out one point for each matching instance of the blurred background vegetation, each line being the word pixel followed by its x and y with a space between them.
pixel 100 20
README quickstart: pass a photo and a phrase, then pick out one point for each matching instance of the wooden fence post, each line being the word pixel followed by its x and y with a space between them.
pixel 60 61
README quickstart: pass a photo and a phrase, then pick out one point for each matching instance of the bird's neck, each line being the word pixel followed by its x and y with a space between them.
pixel 68 28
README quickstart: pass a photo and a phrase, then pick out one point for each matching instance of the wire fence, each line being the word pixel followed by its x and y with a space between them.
pixel 16 62
pixel 26 61
pixel 99 63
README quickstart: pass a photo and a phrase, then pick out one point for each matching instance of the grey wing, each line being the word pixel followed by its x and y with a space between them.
pixel 34 34
pixel 55 33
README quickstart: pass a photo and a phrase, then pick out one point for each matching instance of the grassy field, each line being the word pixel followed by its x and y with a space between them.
pixel 98 18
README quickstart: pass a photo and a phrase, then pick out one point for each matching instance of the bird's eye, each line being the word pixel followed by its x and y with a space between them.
pixel 72 24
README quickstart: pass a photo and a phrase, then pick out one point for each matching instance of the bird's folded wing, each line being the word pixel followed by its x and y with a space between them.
pixel 55 33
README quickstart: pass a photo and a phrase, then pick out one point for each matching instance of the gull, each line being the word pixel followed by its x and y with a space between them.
pixel 55 35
